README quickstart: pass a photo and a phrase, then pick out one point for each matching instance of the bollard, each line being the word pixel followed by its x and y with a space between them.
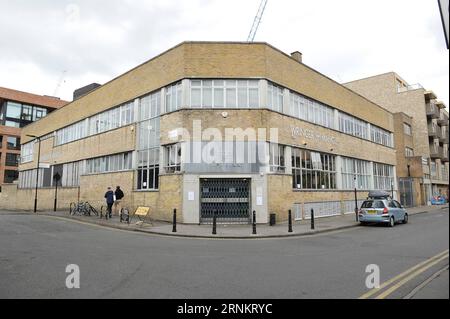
pixel 290 222
pixel 214 231
pixel 174 229
pixel 312 218
pixel 254 223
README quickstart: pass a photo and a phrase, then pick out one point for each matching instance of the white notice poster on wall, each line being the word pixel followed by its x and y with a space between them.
pixel 191 196
pixel 259 201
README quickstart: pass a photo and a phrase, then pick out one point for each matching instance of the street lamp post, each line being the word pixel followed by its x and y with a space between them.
pixel 37 170
pixel 56 178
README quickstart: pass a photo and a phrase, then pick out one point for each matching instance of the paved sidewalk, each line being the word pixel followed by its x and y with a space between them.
pixel 300 228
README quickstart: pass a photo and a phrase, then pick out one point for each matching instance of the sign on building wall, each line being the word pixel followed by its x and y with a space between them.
pixel 444 8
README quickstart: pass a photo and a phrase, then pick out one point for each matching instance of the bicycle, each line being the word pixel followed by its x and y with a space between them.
pixel 82 209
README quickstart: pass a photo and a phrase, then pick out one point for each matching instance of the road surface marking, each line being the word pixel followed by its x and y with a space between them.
pixel 403 274
pixel 426 282
pixel 412 276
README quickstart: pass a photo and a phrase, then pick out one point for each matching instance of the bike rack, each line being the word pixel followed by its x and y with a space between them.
pixel 125 215
pixel 101 213
pixel 70 207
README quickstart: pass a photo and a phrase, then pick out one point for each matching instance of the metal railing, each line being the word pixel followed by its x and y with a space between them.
pixel 411 87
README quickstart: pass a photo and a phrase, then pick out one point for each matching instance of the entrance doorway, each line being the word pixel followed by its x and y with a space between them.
pixel 229 198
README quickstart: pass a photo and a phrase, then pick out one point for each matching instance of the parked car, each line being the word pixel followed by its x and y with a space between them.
pixel 438 200
pixel 380 208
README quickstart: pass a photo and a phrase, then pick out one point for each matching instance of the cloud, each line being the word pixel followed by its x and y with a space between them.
pixel 95 41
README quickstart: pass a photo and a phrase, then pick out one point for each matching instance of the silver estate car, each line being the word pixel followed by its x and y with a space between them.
pixel 382 210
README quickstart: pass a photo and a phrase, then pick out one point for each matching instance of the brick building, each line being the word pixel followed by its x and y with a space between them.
pixel 18 109
pixel 168 130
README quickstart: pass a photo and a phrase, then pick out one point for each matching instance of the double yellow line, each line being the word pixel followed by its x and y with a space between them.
pixel 404 277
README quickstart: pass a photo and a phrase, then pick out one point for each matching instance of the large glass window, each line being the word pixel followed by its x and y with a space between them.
pixel 13 110
pixel 10 176
pixel 275 97
pixel 173 158
pixel 276 159
pixel 359 169
pixel 38 113
pixel 225 93
pixel 312 170
pixel 150 106
pixel 13 143
pixel 383 175
pixel 148 169
pixel 380 136
pixel 353 126
pixel 27 113
pixel 71 133
pixel 311 111
pixel 12 159
pixel 111 163
pixel 173 97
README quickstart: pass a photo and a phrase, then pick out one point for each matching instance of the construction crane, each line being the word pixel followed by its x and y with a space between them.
pixel 60 82
pixel 257 21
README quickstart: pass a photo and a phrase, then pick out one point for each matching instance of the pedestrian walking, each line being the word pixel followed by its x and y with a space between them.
pixel 118 194
pixel 109 195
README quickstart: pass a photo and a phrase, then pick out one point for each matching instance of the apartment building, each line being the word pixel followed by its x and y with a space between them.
pixel 213 128
pixel 422 161
pixel 18 109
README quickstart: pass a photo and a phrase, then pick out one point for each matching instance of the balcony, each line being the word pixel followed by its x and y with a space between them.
pixel 444 136
pixel 436 152
pixel 434 131
pixel 444 158
pixel 443 119
pixel 411 87
pixel 432 111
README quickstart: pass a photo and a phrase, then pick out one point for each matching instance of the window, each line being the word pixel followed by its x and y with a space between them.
pixel 173 97
pixel 1 141
pixel 353 168
pixel 150 106
pixel 12 159
pixel 71 133
pixel 148 169
pixel 173 158
pixel 38 113
pixel 27 113
pixel 380 136
pixel 71 172
pixel 311 111
pixel 13 110
pixel 409 152
pixel 407 129
pixel 312 170
pixel 12 124
pixel 383 176
pixel 225 93
pixel 275 96
pixel 276 161
pixel 353 126
pixel 10 176
pixel 13 143
pixel 111 163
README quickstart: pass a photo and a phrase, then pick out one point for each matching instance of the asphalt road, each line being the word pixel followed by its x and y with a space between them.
pixel 35 251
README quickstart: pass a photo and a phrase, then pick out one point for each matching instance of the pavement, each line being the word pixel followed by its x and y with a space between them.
pixel 36 251
pixel 233 231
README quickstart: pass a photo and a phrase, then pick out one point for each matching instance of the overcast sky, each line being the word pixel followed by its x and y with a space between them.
pixel 94 41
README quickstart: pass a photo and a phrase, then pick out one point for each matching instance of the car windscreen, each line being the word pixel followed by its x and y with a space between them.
pixel 373 204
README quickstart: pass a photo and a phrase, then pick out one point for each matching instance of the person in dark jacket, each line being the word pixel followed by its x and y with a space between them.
pixel 118 201
pixel 109 195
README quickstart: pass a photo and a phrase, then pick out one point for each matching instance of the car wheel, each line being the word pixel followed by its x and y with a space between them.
pixel 363 223
pixel 405 219
pixel 391 222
